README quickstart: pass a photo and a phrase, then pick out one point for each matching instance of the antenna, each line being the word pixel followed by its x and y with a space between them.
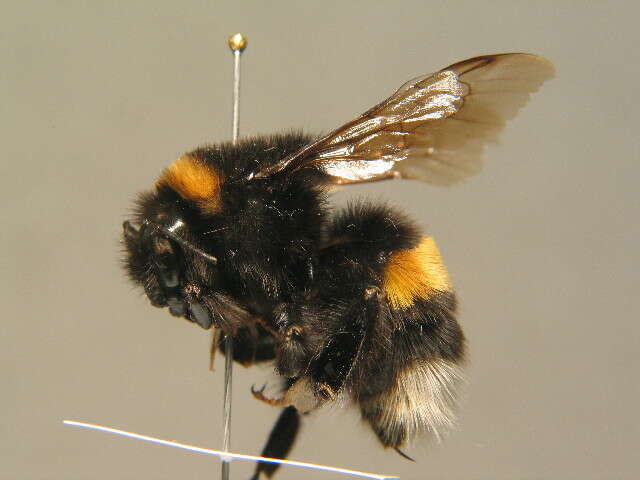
pixel 237 44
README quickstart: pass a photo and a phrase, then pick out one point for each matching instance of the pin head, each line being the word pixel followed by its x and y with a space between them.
pixel 237 42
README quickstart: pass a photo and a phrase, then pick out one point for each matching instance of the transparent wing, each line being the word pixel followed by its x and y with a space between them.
pixel 433 128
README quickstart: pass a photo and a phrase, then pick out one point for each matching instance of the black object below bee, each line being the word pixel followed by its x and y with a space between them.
pixel 355 304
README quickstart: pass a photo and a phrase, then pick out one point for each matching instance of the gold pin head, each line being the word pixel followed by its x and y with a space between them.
pixel 237 42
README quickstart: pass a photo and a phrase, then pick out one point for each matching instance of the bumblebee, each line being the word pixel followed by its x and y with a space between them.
pixel 354 304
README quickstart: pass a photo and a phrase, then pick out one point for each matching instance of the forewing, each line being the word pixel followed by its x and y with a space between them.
pixel 433 128
pixel 451 149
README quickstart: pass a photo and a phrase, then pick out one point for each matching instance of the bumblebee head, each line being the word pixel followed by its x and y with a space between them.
pixel 164 254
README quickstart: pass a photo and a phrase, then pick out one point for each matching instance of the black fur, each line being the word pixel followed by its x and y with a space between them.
pixel 264 235
pixel 353 341
pixel 291 283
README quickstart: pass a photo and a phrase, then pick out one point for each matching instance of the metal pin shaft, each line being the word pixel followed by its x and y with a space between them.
pixel 226 412
pixel 236 96
pixel 237 43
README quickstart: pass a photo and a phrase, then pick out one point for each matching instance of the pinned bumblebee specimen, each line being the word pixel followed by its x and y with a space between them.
pixel 353 304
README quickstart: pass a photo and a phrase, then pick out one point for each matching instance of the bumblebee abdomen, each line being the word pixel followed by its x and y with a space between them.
pixel 410 361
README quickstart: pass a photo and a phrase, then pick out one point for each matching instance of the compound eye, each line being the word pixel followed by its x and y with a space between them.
pixel 166 262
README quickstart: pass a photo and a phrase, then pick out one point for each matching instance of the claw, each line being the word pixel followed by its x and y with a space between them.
pixel 275 402
pixel 302 394
pixel 254 391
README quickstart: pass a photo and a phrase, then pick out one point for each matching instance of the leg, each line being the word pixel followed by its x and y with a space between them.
pixel 252 344
pixel 281 439
pixel 335 358
pixel 342 362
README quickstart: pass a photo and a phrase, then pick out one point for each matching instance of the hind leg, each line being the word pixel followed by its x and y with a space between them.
pixel 330 370
pixel 281 439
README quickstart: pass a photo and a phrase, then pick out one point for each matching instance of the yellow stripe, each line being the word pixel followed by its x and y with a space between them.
pixel 415 274
pixel 193 180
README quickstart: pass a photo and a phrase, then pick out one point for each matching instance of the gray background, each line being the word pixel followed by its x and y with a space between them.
pixel 97 97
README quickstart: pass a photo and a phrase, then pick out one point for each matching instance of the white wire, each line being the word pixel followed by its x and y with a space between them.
pixel 219 453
